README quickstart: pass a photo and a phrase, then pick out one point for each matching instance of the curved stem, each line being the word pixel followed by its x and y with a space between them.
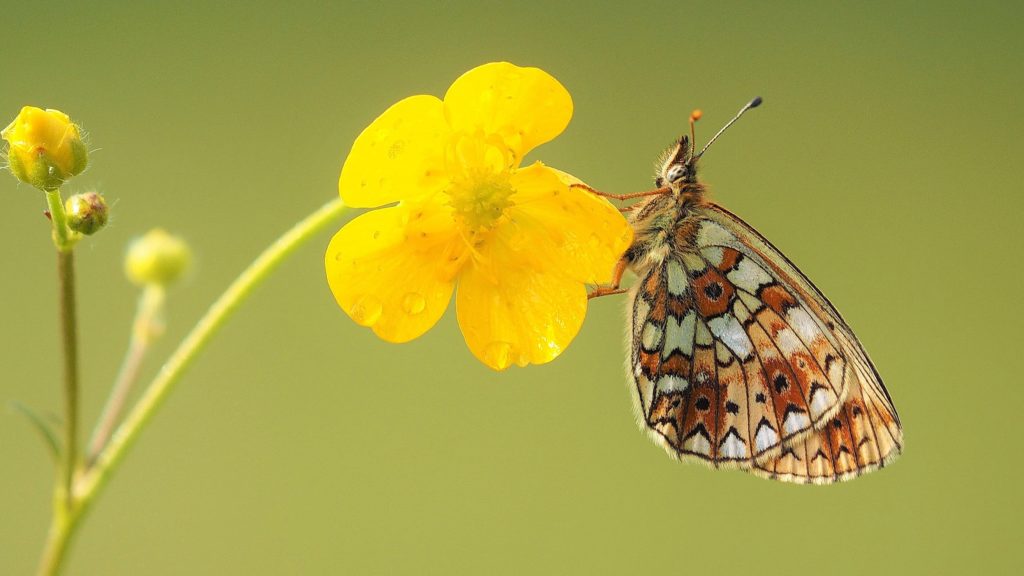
pixel 93 480
pixel 148 325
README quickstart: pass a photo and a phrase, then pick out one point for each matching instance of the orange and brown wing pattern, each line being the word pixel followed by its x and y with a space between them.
pixel 862 437
pixel 725 369
pixel 861 434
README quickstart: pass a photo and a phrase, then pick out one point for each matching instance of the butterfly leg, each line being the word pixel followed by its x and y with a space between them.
pixel 595 192
pixel 613 288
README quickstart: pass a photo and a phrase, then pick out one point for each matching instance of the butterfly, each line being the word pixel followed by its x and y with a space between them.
pixel 736 359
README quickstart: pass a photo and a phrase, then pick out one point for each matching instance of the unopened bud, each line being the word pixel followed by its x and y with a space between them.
pixel 86 213
pixel 44 148
pixel 157 258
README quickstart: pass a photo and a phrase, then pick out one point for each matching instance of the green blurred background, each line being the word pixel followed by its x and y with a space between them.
pixel 300 444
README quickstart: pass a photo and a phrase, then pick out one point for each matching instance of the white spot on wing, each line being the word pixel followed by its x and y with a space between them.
pixel 748 276
pixel 697 443
pixel 672 383
pixel 788 343
pixel 676 278
pixel 766 438
pixel 727 329
pixel 651 336
pixel 821 400
pixel 712 234
pixel 804 325
pixel 733 447
pixel 714 255
pixel 795 422
pixel 679 335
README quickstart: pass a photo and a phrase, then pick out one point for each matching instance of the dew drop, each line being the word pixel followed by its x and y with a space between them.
pixel 413 303
pixel 594 240
pixel 367 311
pixel 498 355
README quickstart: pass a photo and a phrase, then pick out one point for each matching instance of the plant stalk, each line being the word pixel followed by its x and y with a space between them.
pixel 92 481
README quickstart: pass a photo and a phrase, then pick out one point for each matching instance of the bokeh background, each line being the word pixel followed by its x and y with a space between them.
pixel 884 162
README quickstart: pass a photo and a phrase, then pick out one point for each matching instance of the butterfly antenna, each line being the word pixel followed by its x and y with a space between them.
pixel 752 104
pixel 694 116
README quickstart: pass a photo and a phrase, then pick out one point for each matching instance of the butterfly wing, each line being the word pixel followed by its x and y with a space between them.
pixel 865 434
pixel 738 361
pixel 728 364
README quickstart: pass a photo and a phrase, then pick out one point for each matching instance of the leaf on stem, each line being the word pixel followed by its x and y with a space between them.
pixel 42 424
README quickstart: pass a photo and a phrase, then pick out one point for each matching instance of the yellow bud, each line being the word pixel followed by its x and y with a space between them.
pixel 157 258
pixel 44 148
pixel 86 213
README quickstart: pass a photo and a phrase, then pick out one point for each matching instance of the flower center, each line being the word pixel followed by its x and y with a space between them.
pixel 480 200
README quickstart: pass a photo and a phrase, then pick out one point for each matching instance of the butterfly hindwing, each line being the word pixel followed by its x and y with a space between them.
pixel 857 440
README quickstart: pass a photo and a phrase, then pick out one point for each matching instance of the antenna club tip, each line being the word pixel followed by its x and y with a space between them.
pixel 696 115
pixel 756 102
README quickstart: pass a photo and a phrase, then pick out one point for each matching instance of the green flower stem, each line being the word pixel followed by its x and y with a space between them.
pixel 63 240
pixel 69 333
pixel 148 325
pixel 92 481
pixel 63 237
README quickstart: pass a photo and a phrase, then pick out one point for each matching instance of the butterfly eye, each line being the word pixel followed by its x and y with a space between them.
pixel 675 172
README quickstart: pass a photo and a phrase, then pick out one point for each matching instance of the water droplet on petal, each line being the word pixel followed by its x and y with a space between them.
pixel 498 355
pixel 367 311
pixel 413 303
pixel 595 241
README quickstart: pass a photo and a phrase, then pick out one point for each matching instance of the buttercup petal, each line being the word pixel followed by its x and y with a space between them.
pixel 561 228
pixel 524 106
pixel 393 269
pixel 400 155
pixel 515 314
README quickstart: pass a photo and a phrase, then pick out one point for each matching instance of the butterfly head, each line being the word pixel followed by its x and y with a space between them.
pixel 677 166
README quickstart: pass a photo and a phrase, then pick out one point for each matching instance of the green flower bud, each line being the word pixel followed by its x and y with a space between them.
pixel 86 213
pixel 157 258
pixel 44 148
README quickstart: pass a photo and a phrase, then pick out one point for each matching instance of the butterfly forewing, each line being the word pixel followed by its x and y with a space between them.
pixel 738 360
pixel 720 376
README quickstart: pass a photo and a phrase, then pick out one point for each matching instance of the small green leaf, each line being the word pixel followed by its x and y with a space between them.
pixel 42 424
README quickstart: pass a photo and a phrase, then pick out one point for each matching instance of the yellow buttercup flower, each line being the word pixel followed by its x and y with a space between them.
pixel 44 148
pixel 520 242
